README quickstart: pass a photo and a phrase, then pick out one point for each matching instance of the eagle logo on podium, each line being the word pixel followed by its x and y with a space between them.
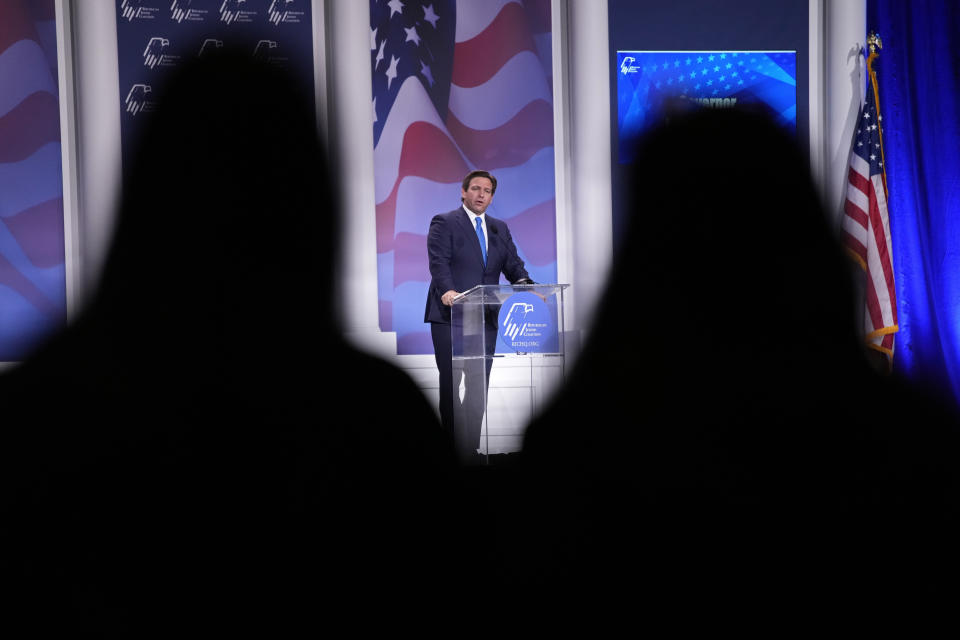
pixel 515 320
pixel 525 323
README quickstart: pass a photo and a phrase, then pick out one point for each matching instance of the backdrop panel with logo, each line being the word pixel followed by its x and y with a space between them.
pixel 155 36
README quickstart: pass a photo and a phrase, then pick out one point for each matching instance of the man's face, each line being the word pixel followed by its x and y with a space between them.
pixel 478 195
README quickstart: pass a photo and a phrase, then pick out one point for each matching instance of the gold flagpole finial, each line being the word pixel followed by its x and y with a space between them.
pixel 873 41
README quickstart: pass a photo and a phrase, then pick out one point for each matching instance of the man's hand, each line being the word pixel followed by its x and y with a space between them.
pixel 529 281
pixel 448 297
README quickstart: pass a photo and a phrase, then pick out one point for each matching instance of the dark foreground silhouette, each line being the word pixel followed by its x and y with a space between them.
pixel 201 449
pixel 722 438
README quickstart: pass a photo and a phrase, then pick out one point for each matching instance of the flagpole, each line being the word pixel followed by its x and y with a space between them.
pixel 874 42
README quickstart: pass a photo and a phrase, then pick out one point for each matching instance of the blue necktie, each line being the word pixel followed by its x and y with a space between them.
pixel 482 239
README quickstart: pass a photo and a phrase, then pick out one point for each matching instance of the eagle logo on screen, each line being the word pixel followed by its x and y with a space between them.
pixel 153 54
pixel 137 100
pixel 627 65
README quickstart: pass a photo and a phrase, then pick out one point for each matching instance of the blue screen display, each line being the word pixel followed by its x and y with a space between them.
pixel 648 82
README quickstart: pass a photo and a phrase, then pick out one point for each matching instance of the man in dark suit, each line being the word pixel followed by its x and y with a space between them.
pixel 466 248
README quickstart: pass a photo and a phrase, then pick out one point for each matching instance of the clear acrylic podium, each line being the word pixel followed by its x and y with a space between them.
pixel 508 358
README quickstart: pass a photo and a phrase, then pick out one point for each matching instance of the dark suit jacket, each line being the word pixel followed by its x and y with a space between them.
pixel 456 262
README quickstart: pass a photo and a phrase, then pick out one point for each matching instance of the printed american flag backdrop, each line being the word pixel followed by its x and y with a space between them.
pixel 32 273
pixel 866 223
pixel 458 86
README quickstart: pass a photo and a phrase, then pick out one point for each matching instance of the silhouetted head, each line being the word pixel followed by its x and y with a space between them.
pixel 721 421
pixel 729 252
pixel 225 239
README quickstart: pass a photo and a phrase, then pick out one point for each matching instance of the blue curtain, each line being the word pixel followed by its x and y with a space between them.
pixel 918 73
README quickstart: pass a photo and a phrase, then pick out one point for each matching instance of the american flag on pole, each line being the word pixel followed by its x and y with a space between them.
pixel 32 274
pixel 866 223
pixel 458 85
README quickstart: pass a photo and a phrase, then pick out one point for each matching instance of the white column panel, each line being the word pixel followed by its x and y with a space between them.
pixel 350 113
pixel 845 27
pixel 589 154
pixel 561 145
pixel 68 142
pixel 97 102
